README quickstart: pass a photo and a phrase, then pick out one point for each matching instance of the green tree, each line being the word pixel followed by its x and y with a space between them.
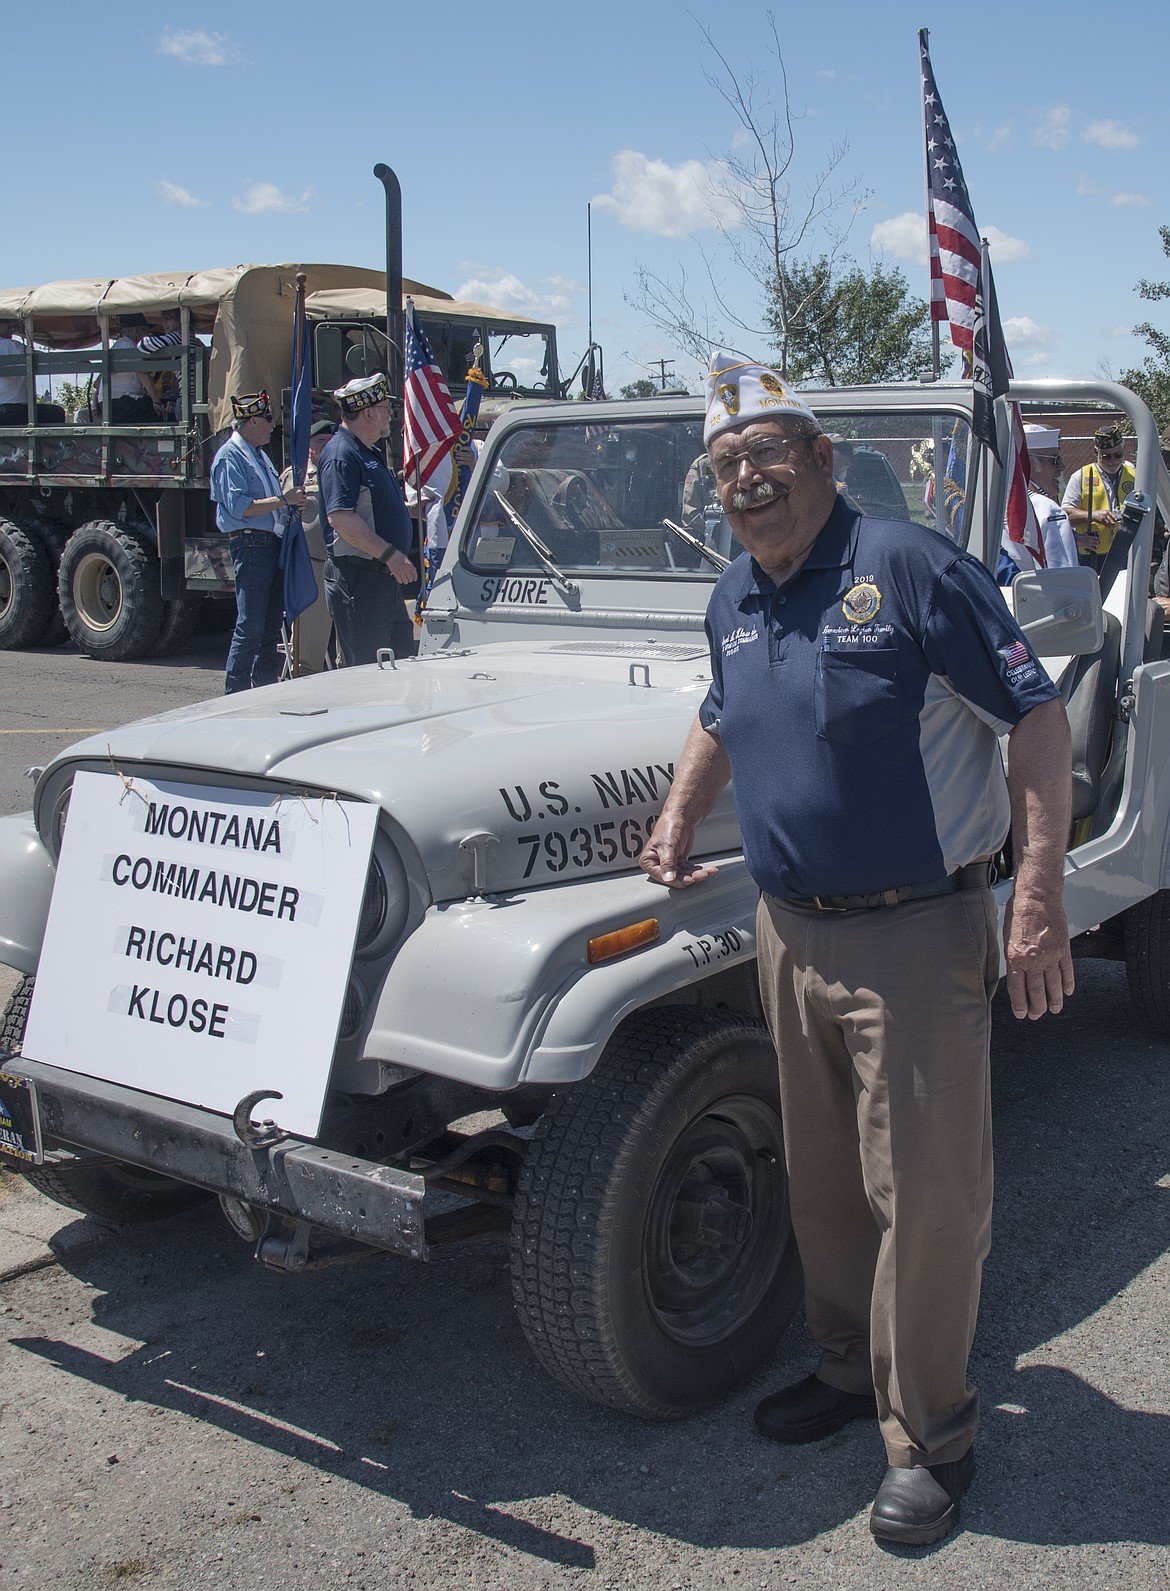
pixel 642 388
pixel 1151 379
pixel 852 326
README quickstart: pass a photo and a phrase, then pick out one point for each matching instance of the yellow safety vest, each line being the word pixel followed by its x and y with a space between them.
pixel 1095 494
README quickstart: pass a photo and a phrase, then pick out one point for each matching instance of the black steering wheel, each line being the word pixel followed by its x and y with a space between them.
pixel 504 381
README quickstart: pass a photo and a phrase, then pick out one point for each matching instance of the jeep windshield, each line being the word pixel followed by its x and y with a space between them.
pixel 596 490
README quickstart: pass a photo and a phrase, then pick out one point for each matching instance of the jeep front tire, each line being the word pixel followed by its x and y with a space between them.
pixel 653 1262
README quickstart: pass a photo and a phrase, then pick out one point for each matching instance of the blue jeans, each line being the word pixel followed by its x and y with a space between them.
pixel 252 657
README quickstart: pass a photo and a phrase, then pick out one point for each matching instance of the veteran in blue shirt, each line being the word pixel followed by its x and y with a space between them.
pixel 366 527
pixel 862 672
pixel 250 507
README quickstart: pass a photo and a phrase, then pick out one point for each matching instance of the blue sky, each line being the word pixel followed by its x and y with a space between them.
pixel 186 137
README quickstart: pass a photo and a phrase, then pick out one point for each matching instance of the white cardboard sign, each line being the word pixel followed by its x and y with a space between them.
pixel 199 942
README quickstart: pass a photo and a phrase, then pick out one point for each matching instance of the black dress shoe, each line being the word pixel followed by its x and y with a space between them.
pixel 919 1505
pixel 811 1409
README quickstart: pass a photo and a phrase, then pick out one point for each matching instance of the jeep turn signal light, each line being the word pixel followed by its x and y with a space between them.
pixel 606 946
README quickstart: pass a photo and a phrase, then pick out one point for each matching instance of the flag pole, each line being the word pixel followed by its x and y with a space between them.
pixel 936 429
pixel 589 265
pixel 936 357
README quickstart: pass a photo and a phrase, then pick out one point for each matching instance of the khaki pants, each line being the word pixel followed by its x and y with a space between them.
pixel 882 1023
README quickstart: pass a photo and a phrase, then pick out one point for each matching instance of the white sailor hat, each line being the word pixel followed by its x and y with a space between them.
pixel 363 392
pixel 1042 438
pixel 739 391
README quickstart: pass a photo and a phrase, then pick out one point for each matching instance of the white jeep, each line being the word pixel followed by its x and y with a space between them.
pixel 467 931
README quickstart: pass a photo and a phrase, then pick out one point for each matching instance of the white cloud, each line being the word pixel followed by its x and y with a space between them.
pixel 197 48
pixel 903 236
pixel 1110 135
pixel 993 138
pixel 1085 186
pixel 1053 132
pixel 1028 342
pixel 667 201
pixel 827 71
pixel 173 194
pixel 1117 331
pixel 1004 248
pixel 260 198
pixel 548 299
pixel 1129 198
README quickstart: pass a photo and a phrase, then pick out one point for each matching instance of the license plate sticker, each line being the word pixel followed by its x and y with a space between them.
pixel 20 1120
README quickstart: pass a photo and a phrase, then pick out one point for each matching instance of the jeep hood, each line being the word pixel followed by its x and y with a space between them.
pixel 562 761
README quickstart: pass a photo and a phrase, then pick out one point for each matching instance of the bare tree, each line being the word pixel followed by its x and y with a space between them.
pixel 763 225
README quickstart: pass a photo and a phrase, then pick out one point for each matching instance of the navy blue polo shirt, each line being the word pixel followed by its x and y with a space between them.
pixel 352 476
pixel 860 705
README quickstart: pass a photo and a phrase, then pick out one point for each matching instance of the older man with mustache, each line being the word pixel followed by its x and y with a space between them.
pixel 862 670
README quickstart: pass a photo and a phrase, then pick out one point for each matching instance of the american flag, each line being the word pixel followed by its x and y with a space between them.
pixel 1023 528
pixel 431 421
pixel 962 291
pixel 1015 654
pixel 954 237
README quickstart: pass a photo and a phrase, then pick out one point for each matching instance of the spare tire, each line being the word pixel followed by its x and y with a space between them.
pixel 108 585
pixel 27 598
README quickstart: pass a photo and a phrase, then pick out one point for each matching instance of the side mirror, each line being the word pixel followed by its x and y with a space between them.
pixel 1059 611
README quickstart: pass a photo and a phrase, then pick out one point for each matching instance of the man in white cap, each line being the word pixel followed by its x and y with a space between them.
pixel 366 527
pixel 862 670
pixel 1058 540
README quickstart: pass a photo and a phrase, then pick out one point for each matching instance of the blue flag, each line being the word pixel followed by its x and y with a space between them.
pixel 300 585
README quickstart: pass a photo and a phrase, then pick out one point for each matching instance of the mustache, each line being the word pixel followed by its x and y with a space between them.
pixel 762 492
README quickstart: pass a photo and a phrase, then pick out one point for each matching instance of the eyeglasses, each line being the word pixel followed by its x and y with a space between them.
pixel 766 454
pixel 1048 458
pixel 1111 452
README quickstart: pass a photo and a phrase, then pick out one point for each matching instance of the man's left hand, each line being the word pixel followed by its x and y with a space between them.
pixel 1039 961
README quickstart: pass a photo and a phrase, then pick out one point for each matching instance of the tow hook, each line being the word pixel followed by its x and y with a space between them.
pixel 251 1136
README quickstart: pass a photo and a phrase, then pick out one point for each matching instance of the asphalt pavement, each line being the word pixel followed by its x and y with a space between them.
pixel 174 1416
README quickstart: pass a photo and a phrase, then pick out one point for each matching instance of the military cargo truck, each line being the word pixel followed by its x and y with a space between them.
pixel 107 532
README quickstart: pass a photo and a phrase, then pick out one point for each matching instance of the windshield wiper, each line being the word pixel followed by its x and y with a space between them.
pixel 715 559
pixel 557 576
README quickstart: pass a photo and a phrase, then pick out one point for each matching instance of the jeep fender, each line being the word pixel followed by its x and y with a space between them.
pixel 26 886
pixel 499 991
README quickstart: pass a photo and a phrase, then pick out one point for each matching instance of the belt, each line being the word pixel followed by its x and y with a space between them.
pixel 976 875
pixel 234 535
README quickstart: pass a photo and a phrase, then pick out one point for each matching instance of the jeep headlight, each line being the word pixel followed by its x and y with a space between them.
pixel 374 903
pixel 385 904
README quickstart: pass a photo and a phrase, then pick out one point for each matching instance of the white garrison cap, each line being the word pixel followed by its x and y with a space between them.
pixel 363 392
pixel 738 391
pixel 1042 438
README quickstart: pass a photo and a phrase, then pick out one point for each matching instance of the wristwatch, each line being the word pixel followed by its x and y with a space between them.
pixel 385 555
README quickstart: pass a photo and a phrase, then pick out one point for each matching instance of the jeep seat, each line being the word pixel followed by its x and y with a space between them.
pixel 1089 690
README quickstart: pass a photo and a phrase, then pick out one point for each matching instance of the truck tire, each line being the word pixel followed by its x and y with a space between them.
pixel 653 1261
pixel 1147 959
pixel 27 597
pixel 113 1191
pixel 53 536
pixel 180 621
pixel 109 590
